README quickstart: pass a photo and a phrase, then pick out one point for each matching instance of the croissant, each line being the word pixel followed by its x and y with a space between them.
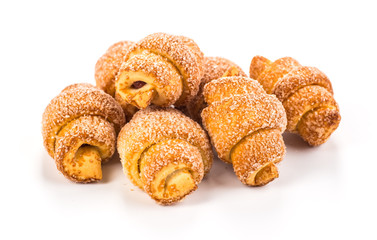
pixel 214 68
pixel 306 94
pixel 164 153
pixel 161 69
pixel 79 129
pixel 245 126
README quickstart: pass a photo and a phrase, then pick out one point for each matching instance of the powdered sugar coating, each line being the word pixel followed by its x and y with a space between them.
pixel 182 53
pixel 108 66
pixel 155 125
pixel 226 87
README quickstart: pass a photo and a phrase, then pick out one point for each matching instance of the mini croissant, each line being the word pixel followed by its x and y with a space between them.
pixel 245 126
pixel 161 69
pixel 79 129
pixel 165 153
pixel 306 94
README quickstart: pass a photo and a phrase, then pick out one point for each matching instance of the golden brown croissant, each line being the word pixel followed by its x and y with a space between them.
pixel 306 94
pixel 164 153
pixel 161 69
pixel 214 68
pixel 79 131
pixel 245 126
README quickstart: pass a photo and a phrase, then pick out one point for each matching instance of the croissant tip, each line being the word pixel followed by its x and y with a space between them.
pixel 317 126
pixel 263 175
pixel 85 166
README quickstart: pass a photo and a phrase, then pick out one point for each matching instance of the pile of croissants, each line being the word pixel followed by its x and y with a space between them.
pixel 163 105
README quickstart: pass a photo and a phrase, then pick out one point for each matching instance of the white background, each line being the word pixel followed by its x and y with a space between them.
pixel 326 192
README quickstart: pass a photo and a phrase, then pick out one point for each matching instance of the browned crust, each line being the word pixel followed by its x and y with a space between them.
pixel 108 66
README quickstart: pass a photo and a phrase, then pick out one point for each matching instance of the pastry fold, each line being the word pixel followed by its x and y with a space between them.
pixel 107 66
pixel 79 129
pixel 106 69
pixel 160 69
pixel 164 153
pixel 306 94
pixel 245 126
pixel 213 68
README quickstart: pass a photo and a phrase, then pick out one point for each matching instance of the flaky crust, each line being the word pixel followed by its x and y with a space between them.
pixel 214 68
pixel 80 115
pixel 305 92
pixel 238 109
pixel 108 66
pixel 164 138
pixel 182 59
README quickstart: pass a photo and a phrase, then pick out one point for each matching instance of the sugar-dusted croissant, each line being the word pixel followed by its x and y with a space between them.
pixel 245 126
pixel 79 129
pixel 160 69
pixel 214 68
pixel 165 153
pixel 306 94
pixel 108 66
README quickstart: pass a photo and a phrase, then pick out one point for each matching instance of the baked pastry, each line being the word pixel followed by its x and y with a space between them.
pixel 160 69
pixel 79 129
pixel 108 66
pixel 214 68
pixel 306 94
pixel 245 126
pixel 165 153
